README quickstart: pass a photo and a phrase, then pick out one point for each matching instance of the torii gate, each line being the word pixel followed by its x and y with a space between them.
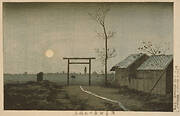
pixel 75 58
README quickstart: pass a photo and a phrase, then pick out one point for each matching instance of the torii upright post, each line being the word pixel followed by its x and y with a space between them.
pixel 68 73
pixel 69 62
pixel 89 72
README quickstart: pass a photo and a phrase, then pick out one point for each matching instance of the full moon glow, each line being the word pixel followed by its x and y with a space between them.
pixel 49 53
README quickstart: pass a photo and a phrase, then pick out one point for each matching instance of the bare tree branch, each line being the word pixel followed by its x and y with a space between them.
pixel 110 34
pixel 149 48
pixel 101 54
pixel 100 14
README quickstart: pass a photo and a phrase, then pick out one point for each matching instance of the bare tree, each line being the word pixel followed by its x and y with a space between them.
pixel 99 16
pixel 149 48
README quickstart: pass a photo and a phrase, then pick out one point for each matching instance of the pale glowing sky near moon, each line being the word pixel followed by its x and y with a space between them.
pixel 31 29
pixel 49 53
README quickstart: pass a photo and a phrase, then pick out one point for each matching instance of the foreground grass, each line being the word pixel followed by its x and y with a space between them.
pixel 31 96
pixel 47 95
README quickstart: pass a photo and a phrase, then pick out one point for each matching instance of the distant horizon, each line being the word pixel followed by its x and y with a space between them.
pixel 112 72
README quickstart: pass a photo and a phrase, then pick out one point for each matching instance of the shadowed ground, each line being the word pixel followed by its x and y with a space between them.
pixel 47 95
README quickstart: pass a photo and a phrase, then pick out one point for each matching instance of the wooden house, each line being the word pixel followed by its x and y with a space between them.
pixel 146 73
pixel 126 69
pixel 155 75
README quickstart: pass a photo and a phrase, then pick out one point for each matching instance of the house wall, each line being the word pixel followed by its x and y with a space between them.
pixel 146 80
pixel 124 75
pixel 169 79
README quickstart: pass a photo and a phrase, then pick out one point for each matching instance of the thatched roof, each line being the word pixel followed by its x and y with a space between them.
pixel 127 61
pixel 156 62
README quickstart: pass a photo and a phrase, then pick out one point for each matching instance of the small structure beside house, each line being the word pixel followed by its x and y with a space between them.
pixel 146 73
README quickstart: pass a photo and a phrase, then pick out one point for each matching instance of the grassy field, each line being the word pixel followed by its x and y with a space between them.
pixel 50 96
pixel 47 95
pixel 81 79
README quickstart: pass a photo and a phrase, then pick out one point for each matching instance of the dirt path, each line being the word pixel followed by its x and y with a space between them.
pixel 90 102
pixel 107 99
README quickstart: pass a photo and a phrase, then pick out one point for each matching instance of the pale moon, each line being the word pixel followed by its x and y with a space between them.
pixel 49 53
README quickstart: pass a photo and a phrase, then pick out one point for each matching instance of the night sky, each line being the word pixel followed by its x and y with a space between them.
pixel 30 29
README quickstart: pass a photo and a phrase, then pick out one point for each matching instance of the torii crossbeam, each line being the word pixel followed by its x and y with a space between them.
pixel 77 58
